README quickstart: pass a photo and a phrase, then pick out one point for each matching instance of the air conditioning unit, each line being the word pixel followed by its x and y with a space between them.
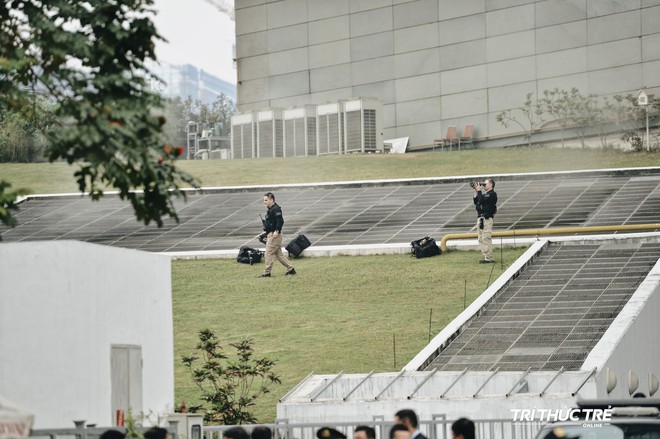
pixel 363 130
pixel 270 129
pixel 329 127
pixel 243 129
pixel 300 131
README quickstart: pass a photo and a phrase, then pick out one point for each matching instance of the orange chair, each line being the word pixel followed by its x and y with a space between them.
pixel 448 139
pixel 466 137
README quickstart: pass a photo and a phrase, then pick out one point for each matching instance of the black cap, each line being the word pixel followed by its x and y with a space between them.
pixel 330 433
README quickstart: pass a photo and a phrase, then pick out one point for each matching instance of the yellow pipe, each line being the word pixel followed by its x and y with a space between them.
pixel 557 231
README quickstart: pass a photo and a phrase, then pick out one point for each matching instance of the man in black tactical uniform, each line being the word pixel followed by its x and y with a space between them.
pixel 485 200
pixel 273 228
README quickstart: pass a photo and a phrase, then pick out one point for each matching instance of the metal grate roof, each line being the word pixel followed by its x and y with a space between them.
pixel 554 313
pixel 347 214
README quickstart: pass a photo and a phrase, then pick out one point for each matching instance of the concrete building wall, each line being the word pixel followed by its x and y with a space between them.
pixel 63 304
pixel 435 63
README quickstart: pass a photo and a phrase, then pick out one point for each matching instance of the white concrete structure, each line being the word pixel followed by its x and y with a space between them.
pixel 85 330
pixel 628 347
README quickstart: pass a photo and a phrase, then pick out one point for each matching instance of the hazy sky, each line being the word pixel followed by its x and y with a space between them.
pixel 198 34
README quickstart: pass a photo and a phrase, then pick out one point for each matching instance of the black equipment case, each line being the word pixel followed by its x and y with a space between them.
pixel 297 245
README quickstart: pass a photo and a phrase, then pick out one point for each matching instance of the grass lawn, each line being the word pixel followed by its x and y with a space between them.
pixel 45 178
pixel 337 314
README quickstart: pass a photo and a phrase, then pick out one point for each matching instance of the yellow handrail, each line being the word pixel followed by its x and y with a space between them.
pixel 556 231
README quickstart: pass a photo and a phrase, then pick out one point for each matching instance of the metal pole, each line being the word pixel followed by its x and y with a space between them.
pixel 648 146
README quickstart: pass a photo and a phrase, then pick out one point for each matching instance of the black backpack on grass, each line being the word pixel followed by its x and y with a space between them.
pixel 424 248
pixel 249 255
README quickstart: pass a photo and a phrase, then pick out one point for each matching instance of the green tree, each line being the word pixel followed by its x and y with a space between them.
pixel 228 387
pixel 558 105
pixel 22 136
pixel 88 58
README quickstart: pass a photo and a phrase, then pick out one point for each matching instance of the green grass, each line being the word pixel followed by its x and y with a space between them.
pixel 337 314
pixel 58 177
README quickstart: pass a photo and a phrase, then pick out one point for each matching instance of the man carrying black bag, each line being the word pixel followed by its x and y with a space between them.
pixel 273 228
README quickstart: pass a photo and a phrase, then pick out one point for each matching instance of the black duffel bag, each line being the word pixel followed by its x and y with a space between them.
pixel 249 255
pixel 424 248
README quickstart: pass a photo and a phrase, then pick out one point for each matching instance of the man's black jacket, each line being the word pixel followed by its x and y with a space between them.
pixel 274 219
pixel 486 204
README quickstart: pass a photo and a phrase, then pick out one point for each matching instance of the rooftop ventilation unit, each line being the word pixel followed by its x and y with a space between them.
pixel 270 130
pixel 363 130
pixel 243 131
pixel 300 131
pixel 329 126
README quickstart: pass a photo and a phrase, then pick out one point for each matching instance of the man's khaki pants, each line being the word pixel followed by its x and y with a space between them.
pixel 274 251
pixel 484 236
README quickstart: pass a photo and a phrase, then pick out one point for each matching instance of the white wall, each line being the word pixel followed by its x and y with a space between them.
pixel 62 305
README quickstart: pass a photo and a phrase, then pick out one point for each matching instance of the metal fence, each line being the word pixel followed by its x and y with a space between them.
pixel 438 428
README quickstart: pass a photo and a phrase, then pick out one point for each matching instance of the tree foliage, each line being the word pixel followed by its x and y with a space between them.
pixel 87 59
pixel 181 111
pixel 584 115
pixel 228 386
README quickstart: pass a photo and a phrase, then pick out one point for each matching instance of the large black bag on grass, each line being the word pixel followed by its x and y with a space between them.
pixel 297 245
pixel 424 248
pixel 249 255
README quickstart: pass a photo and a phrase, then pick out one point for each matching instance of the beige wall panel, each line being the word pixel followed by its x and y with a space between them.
pixel 371 22
pixel 461 55
pixel 479 122
pixel 616 80
pixel 251 44
pixel 464 104
pixel 249 20
pixel 651 20
pixel 329 54
pixel 240 4
pixel 650 75
pixel 373 70
pixel 330 29
pixel 472 27
pixel 255 106
pixel 416 63
pixel 616 53
pixel 420 133
pixel 367 5
pixel 510 20
pixel 596 8
pixel 329 78
pixel 614 27
pixel 286 12
pixel 417 87
pixel 493 5
pixel 511 71
pixel 289 85
pixel 564 62
pixel 383 91
pixel 510 46
pixel 389 118
pixel 285 38
pixel 288 61
pixel 321 9
pixel 460 80
pixel 416 38
pixel 422 110
pixel 415 13
pixel 331 95
pixel 253 67
pixel 509 96
pixel 651 47
pixel 552 12
pixel 561 36
pixel 448 9
pixel 252 91
pixel 372 46
pixel 647 3
pixel 293 101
